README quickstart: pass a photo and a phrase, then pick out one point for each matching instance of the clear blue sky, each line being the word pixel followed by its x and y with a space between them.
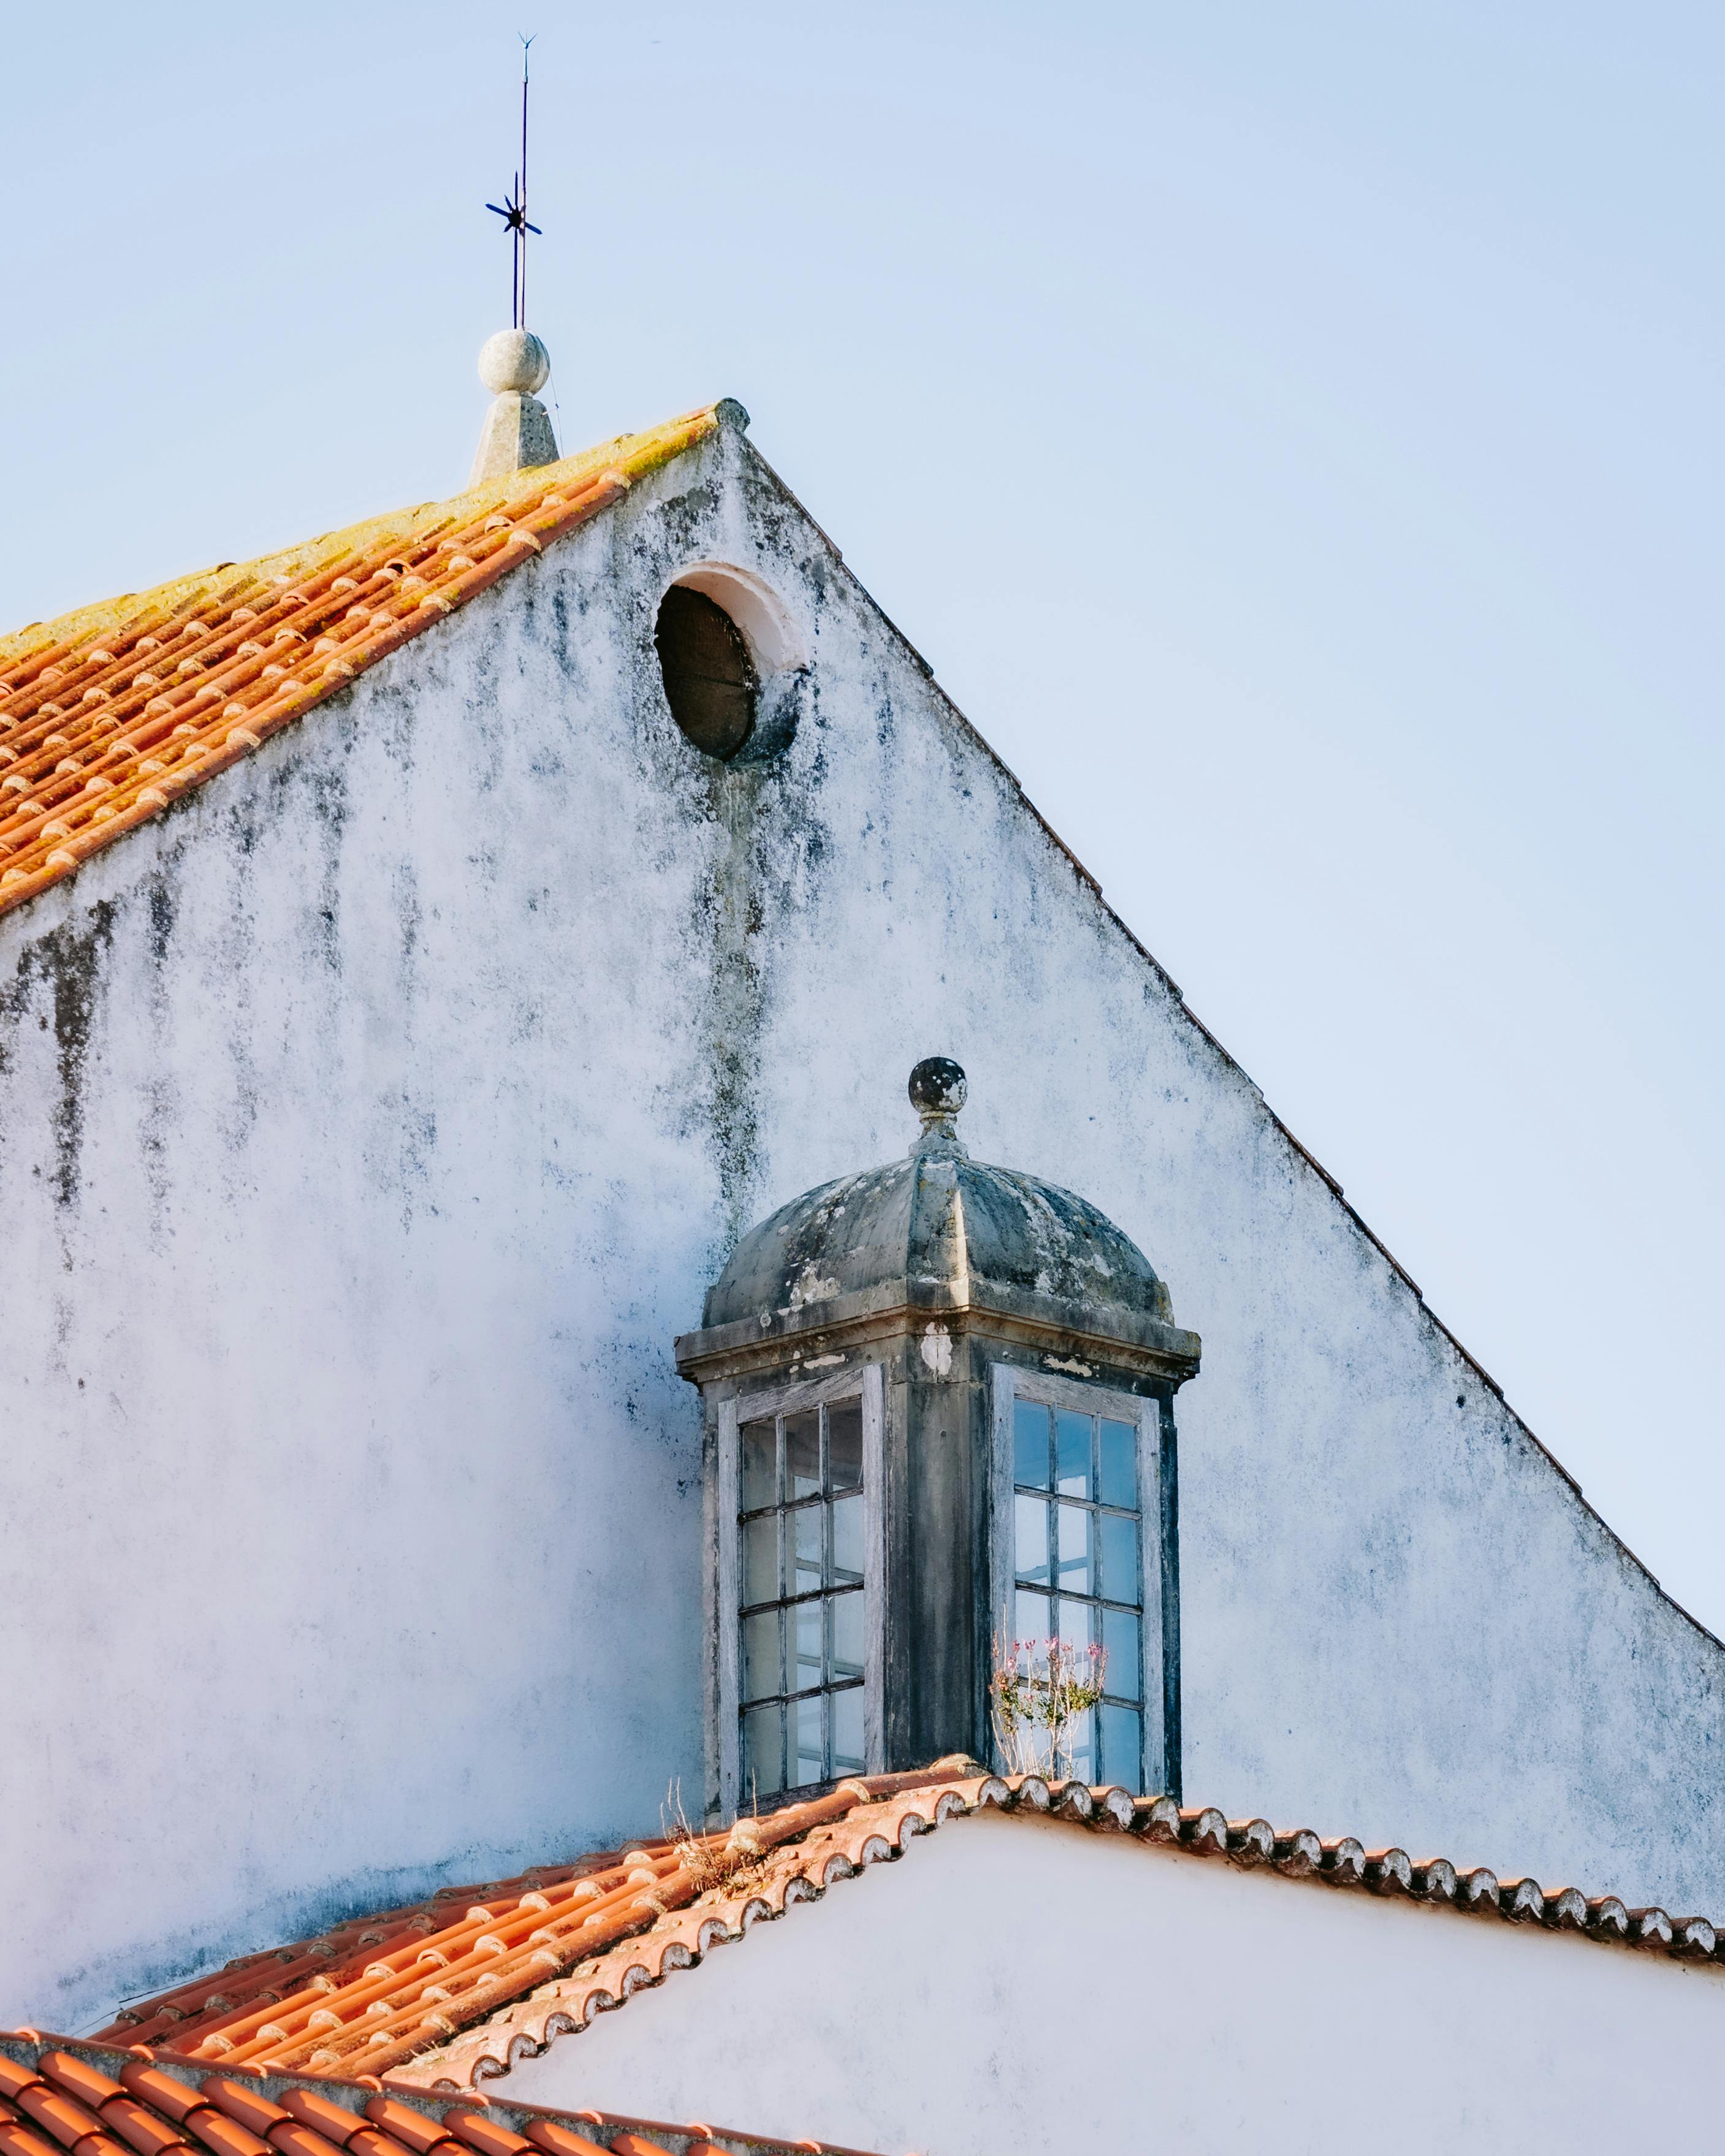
pixel 1293 434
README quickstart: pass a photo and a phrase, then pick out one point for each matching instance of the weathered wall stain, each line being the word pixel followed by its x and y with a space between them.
pixel 735 1000
pixel 58 977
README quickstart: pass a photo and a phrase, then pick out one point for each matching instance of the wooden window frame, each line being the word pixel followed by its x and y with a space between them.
pixel 1159 1552
pixel 868 1381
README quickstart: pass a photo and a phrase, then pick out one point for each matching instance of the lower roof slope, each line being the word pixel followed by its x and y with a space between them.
pixel 110 714
pixel 454 1990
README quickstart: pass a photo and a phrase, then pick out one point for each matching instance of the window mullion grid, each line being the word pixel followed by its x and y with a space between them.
pixel 790 1601
pixel 1136 1608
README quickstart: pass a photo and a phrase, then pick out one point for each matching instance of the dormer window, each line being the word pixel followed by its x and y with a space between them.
pixel 939 1404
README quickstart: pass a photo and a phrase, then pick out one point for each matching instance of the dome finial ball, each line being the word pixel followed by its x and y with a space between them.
pixel 514 359
pixel 937 1087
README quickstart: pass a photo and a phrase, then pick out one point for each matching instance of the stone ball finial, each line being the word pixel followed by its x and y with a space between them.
pixel 937 1087
pixel 514 359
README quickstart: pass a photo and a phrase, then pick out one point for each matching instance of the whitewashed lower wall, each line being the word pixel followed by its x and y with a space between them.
pixel 1019 1985
pixel 371 1123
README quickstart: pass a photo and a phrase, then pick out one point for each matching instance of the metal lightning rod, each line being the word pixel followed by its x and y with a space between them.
pixel 513 211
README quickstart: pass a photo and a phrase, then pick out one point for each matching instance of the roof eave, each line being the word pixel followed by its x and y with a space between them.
pixel 1123 1338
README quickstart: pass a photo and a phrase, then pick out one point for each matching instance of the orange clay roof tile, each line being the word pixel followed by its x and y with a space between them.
pixel 110 714
pixel 174 2098
pixel 17 2140
pixel 224 2135
pixel 245 2104
pixel 488 2136
pixel 558 2140
pixel 71 2084
pixel 325 2119
pixel 292 2140
pixel 78 2079
pixel 139 2127
pixel 67 2120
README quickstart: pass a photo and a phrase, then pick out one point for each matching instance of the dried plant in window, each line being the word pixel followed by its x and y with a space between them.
pixel 1039 1691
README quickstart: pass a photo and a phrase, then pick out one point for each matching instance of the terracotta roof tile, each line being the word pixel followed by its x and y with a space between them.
pixel 58 2094
pixel 139 2127
pixel 559 2140
pixel 487 2136
pixel 110 714
pixel 78 2079
pixel 67 2120
pixel 17 2140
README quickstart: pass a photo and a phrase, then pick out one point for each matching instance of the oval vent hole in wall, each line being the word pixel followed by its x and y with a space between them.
pixel 709 678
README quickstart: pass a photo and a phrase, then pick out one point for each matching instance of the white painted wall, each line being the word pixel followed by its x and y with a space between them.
pixel 1016 1984
pixel 371 1123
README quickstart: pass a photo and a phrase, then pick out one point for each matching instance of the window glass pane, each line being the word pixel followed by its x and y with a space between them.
pixel 1083 1739
pixel 760 1558
pixel 1076 1528
pixel 1029 1444
pixel 1031 1617
pixel 847 1712
pixel 1120 1555
pixel 845 1444
pixel 762 1675
pixel 808 1659
pixel 802 1455
pixel 1120 1636
pixel 847 1540
pixel 762 1752
pixel 760 1464
pixel 849 1645
pixel 1030 1532
pixel 1076 1625
pixel 1120 1464
pixel 807 1753
pixel 803 1550
pixel 1122 1748
pixel 1072 1455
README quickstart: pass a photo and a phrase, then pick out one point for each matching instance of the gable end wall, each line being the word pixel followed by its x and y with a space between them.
pixel 371 1123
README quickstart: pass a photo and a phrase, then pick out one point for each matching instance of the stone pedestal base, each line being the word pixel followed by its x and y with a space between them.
pixel 516 435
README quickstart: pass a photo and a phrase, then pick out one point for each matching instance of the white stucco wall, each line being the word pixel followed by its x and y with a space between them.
pixel 371 1123
pixel 1015 1984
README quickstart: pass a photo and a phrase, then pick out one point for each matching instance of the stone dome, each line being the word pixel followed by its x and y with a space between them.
pixel 939 1231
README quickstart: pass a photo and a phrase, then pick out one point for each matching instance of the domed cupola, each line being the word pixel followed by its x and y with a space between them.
pixel 941 1233
pixel 939 1402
